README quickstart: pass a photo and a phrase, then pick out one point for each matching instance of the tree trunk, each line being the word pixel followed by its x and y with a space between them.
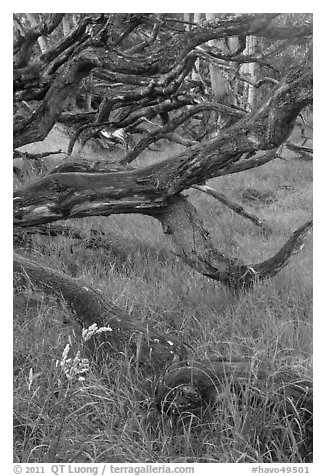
pixel 195 76
pixel 150 189
pixel 218 81
pixel 195 388
pixel 66 24
pixel 66 195
pixel 148 348
pixel 252 67
pixel 142 78
pixel 154 190
pixel 34 21
pixel 186 17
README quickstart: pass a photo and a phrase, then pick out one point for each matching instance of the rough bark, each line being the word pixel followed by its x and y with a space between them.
pixel 150 75
pixel 194 388
pixel 173 124
pixel 193 244
pixel 208 378
pixel 151 84
pixel 154 190
pixel 61 196
pixel 145 346
pixel 23 46
pixel 179 220
pixel 249 163
pixel 38 125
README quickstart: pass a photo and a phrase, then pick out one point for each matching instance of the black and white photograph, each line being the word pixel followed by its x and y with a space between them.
pixel 163 242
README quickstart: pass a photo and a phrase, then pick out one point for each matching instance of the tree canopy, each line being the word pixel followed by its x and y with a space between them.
pixel 137 70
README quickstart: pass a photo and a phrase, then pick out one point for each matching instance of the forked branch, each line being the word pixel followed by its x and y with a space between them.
pixel 193 244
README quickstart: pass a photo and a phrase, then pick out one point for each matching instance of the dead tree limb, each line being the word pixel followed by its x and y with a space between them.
pixel 29 156
pixel 234 206
pixel 173 137
pixel 193 244
pixel 88 165
pixel 304 152
pixel 144 345
pixel 194 388
pixel 173 124
pixel 208 378
pixel 24 44
pixel 180 220
pixel 248 164
pixel 131 118
pixel 265 128
pixel 166 65
pixel 61 196
pixel 154 190
pixel 38 125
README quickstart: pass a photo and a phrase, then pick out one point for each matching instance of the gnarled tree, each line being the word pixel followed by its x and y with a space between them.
pixel 136 71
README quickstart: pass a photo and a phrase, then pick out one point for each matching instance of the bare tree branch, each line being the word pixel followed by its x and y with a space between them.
pixel 234 206
pixel 39 124
pixel 193 389
pixel 247 164
pixel 125 336
pixel 304 152
pixel 134 71
pixel 29 156
pixel 173 124
pixel 193 244
pixel 23 46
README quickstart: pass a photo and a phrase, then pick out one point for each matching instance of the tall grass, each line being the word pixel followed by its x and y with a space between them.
pixel 110 417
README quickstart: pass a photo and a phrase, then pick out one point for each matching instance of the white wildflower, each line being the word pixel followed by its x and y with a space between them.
pixel 64 355
pixel 94 330
pixel 73 367
pixel 30 378
pixel 88 333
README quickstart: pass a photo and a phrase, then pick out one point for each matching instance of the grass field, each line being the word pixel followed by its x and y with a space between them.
pixel 105 418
